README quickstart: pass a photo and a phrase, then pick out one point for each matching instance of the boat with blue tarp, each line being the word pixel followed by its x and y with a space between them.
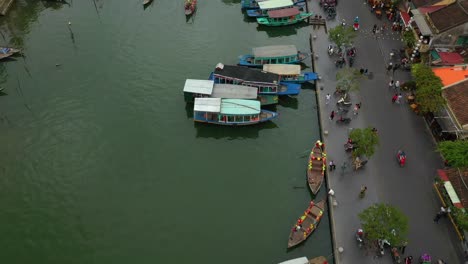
pixel 253 4
pixel 8 52
pixel 267 83
pixel 275 54
pixel 283 17
pixel 230 112
pixel 208 89
pixel 290 73
pixel 266 6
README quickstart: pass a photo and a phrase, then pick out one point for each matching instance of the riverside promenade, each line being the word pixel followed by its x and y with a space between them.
pixel 408 188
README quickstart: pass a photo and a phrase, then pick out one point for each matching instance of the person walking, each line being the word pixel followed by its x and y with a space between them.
pixel 332 115
pixel 362 193
pixel 374 29
pixel 391 84
pixel 437 217
pixel 327 98
pixel 397 85
pixel 398 100
pixel 356 108
pixel 403 247
pixel 394 98
pixel 332 165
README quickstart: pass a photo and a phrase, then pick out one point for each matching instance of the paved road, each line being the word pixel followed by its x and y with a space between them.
pixel 408 188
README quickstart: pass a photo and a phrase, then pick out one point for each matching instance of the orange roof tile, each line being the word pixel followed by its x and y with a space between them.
pixel 451 75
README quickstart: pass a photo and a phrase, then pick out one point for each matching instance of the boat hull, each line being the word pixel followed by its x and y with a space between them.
pixel 266 21
pixel 291 89
pixel 265 116
pixel 8 52
pixel 316 167
pixel 246 60
pixel 252 4
pixel 307 224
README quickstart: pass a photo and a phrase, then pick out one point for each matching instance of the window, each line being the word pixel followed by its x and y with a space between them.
pixel 230 119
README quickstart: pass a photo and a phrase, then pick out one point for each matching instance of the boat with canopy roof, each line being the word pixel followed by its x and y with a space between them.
pixel 290 73
pixel 275 54
pixel 266 6
pixel 283 17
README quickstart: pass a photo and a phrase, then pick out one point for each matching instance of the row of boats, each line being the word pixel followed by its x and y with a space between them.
pixel 276 12
pixel 234 94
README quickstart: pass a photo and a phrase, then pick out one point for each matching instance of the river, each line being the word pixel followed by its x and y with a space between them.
pixel 101 161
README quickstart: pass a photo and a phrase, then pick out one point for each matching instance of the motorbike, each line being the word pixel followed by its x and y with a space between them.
pixel 395 255
pixel 401 158
pixel 351 61
pixel 344 101
pixel 340 62
pixel 343 120
pixel 382 243
pixel 360 237
pixel 351 52
pixel 356 23
pixel 330 50
pixel 342 110
pixel 350 147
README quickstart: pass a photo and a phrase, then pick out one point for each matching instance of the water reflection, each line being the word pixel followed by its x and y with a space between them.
pixel 231 132
pixel 274 32
pixel 189 110
pixel 289 102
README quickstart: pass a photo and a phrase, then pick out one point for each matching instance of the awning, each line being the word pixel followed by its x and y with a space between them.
pixel 405 17
pixel 421 23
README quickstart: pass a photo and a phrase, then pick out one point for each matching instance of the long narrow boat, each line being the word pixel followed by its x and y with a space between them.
pixel 306 224
pixel 267 83
pixel 7 52
pixel 266 6
pixel 190 6
pixel 230 112
pixel 304 260
pixel 283 17
pixel 316 167
pixel 276 54
pixel 290 73
pixel 208 89
pixel 253 4
pixel 147 2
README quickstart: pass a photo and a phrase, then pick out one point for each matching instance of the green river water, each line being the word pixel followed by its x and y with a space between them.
pixel 101 162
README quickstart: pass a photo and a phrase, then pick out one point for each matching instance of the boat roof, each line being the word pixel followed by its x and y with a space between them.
pixel 199 86
pixel 234 91
pixel 212 105
pixel 247 74
pixel 283 69
pixel 240 107
pixel 274 51
pixel 286 12
pixel 302 260
pixel 271 4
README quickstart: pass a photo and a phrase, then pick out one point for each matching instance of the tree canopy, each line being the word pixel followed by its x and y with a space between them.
pixel 455 152
pixel 348 79
pixel 428 88
pixel 382 221
pixel 342 35
pixel 366 140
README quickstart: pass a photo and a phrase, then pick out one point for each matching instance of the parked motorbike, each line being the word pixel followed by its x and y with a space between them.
pixel 360 237
pixel 351 52
pixel 344 101
pixel 330 50
pixel 342 110
pixel 343 120
pixel 351 61
pixel 396 255
pixel 350 147
pixel 340 62
pixel 401 158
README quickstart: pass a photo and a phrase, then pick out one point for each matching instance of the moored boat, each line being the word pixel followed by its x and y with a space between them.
pixel 306 224
pixel 253 4
pixel 266 6
pixel 147 2
pixel 190 6
pixel 316 167
pixel 275 54
pixel 283 17
pixel 304 260
pixel 267 83
pixel 231 112
pixel 290 73
pixel 207 88
pixel 8 52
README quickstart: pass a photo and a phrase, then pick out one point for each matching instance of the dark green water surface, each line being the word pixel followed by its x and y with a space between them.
pixel 100 161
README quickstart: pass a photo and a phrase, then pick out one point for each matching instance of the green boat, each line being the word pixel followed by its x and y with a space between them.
pixel 283 17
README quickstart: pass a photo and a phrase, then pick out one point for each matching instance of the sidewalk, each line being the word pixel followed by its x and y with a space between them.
pixel 408 188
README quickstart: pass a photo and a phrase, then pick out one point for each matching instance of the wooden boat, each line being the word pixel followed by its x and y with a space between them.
pixel 290 73
pixel 267 83
pixel 283 17
pixel 231 112
pixel 254 4
pixel 8 52
pixel 147 2
pixel 306 224
pixel 266 6
pixel 316 167
pixel 208 89
pixel 190 6
pixel 304 260
pixel 276 54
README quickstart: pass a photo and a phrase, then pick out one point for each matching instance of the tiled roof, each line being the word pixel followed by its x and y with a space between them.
pixel 450 16
pixel 458 180
pixel 457 100
pixel 420 3
pixel 451 75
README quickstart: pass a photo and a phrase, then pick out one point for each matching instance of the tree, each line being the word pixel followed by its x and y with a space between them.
pixel 408 38
pixel 455 152
pixel 382 221
pixel 348 79
pixel 428 88
pixel 342 35
pixel 366 140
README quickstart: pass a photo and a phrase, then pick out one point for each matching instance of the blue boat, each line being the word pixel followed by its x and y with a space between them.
pixel 290 73
pixel 278 54
pixel 266 6
pixel 253 4
pixel 267 83
pixel 230 112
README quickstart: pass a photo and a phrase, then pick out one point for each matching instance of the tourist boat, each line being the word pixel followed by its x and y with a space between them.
pixel 253 4
pixel 283 17
pixel 304 260
pixel 316 167
pixel 190 6
pixel 266 6
pixel 147 2
pixel 290 73
pixel 207 88
pixel 277 54
pixel 267 83
pixel 231 112
pixel 306 224
pixel 7 52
